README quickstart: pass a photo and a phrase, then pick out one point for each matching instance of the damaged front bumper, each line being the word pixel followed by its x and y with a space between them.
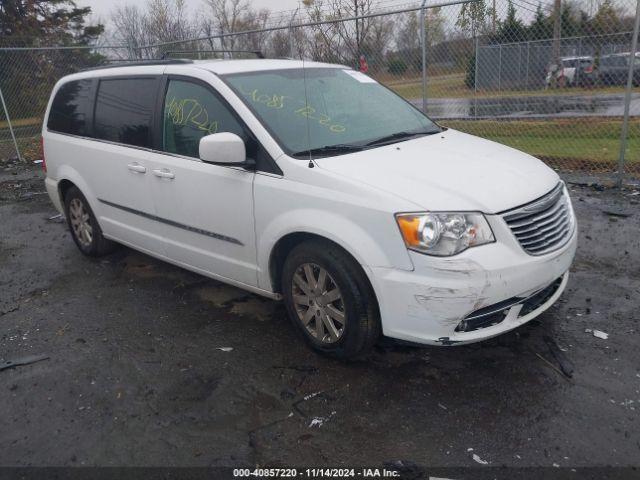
pixel 478 294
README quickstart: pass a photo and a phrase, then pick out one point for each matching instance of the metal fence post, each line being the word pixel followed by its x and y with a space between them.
pixel 475 80
pixel 627 97
pixel 291 50
pixel 13 136
pixel 528 60
pixel 423 35
pixel 500 68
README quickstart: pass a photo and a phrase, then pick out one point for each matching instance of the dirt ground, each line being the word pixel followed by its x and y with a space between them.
pixel 150 365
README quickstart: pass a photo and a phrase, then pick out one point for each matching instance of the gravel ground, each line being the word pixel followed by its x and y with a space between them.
pixel 151 365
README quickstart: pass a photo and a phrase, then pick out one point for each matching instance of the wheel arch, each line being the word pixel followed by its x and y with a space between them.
pixel 68 177
pixel 289 241
pixel 63 187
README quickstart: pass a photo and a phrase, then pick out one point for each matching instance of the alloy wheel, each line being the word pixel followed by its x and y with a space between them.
pixel 80 222
pixel 318 303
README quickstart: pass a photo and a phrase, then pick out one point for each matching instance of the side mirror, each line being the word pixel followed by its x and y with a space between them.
pixel 223 148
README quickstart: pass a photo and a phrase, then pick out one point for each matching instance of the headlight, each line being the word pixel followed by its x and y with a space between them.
pixel 444 233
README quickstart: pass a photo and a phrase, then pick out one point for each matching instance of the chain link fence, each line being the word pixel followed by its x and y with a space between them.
pixel 503 70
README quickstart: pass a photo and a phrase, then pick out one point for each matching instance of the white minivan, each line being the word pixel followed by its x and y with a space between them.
pixel 314 184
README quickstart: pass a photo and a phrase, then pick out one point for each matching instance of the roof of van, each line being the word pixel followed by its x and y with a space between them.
pixel 223 67
pixel 220 67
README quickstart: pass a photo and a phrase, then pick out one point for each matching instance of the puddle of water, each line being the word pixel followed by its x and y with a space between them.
pixel 610 105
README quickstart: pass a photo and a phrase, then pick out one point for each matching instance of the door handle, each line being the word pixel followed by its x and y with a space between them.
pixel 164 173
pixel 136 167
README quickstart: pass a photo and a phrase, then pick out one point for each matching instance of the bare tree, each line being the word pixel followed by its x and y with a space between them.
pixel 252 20
pixel 226 17
pixel 129 29
pixel 160 21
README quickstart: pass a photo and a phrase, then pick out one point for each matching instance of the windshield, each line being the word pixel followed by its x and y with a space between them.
pixel 342 111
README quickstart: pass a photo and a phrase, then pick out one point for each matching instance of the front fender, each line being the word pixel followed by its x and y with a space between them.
pixel 360 243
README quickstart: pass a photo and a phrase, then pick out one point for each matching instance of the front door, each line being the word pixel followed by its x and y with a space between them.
pixel 206 209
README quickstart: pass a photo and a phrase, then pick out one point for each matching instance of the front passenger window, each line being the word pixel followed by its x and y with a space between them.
pixel 192 111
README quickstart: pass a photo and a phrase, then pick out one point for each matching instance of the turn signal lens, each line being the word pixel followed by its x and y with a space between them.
pixel 444 233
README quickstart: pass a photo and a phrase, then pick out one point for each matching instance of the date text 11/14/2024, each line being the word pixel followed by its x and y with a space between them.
pixel 315 473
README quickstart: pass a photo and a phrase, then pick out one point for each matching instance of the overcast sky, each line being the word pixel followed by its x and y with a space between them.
pixel 102 8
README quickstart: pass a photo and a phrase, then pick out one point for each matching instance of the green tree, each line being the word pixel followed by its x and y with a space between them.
pixel 473 17
pixel 606 20
pixel 570 20
pixel 34 22
pixel 511 29
pixel 27 76
pixel 541 27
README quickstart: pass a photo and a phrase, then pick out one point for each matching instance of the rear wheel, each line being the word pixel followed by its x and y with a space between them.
pixel 84 227
pixel 329 300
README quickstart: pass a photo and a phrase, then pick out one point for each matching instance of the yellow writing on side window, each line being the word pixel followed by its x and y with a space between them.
pixel 189 112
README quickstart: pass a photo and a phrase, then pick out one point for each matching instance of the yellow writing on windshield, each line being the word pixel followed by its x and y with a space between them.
pixel 190 112
pixel 278 102
pixel 273 101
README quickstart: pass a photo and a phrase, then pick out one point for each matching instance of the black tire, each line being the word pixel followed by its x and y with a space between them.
pixel 361 328
pixel 98 246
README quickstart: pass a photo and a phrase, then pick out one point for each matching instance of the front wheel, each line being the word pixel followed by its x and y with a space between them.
pixel 329 300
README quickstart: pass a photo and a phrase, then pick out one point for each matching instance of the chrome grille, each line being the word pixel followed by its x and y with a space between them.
pixel 543 225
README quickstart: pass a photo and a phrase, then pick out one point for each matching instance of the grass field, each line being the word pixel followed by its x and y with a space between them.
pixel 580 143
pixel 21 122
pixel 574 144
pixel 452 86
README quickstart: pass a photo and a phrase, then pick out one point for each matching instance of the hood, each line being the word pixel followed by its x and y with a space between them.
pixel 449 171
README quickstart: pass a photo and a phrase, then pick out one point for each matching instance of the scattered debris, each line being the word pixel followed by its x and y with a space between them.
pixel 23 361
pixel 225 349
pixel 316 422
pixel 310 396
pixel 12 309
pixel 37 162
pixel 551 365
pixel 319 421
pixel 477 459
pixel 442 406
pixel 600 334
pixel 299 368
pixel 558 354
pixel 55 217
pixel 618 214
pixel 296 404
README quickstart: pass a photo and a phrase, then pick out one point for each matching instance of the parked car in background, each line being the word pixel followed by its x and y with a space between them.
pixel 614 69
pixel 572 71
pixel 314 184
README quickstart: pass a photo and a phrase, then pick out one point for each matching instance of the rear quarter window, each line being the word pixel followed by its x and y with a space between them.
pixel 124 110
pixel 71 108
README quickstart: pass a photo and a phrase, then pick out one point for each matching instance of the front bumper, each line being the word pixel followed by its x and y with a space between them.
pixel 428 304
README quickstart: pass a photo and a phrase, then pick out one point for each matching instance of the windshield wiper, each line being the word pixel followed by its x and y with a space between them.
pixel 398 136
pixel 329 149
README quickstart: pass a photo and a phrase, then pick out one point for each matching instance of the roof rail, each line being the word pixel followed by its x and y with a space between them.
pixel 257 53
pixel 135 63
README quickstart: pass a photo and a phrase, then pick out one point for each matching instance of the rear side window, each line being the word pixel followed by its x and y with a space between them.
pixel 124 110
pixel 71 108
